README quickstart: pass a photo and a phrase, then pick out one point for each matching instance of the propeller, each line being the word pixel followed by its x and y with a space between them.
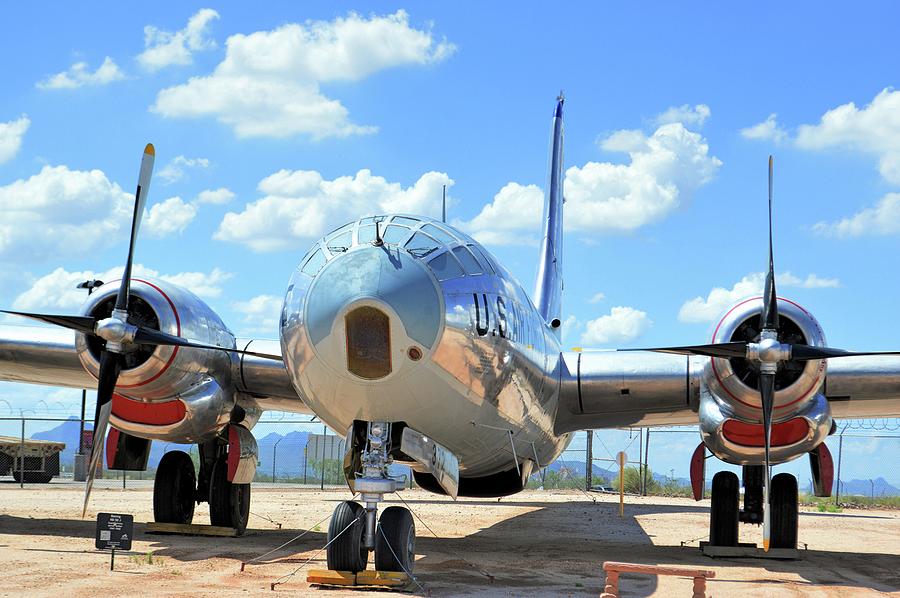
pixel 769 353
pixel 119 333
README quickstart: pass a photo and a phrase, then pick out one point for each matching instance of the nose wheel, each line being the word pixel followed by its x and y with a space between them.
pixel 356 529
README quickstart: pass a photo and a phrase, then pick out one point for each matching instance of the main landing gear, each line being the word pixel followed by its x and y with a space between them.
pixel 726 514
pixel 355 530
pixel 177 489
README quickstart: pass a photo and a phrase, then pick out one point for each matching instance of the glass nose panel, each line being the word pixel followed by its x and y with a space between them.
pixel 368 343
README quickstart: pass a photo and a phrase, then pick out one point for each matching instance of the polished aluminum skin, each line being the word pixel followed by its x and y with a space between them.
pixel 471 360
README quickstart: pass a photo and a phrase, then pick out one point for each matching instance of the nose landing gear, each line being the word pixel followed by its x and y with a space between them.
pixel 355 530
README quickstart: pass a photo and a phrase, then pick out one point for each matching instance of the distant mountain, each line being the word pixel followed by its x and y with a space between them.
pixel 577 469
pixel 877 487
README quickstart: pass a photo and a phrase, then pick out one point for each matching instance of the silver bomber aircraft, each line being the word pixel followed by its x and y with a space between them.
pixel 406 335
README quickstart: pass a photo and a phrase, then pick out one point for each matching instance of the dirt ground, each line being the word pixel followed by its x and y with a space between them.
pixel 537 543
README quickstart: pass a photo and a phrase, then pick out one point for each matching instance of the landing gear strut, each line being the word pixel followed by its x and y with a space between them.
pixel 725 513
pixel 355 530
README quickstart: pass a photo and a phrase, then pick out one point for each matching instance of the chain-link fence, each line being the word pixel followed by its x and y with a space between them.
pixel 35 448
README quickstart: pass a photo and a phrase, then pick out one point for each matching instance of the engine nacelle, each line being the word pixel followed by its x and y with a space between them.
pixel 166 393
pixel 730 403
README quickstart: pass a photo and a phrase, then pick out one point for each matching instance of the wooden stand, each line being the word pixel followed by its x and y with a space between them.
pixel 388 580
pixel 613 569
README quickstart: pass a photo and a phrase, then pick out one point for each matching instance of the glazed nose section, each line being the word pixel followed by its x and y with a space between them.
pixel 372 310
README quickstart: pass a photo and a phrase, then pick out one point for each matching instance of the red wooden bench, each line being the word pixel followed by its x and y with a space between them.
pixel 613 569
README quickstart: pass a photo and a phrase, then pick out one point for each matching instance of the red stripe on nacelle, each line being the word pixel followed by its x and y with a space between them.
pixel 157 414
pixel 783 434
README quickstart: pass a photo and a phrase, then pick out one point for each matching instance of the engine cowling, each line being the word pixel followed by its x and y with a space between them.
pixel 164 392
pixel 730 404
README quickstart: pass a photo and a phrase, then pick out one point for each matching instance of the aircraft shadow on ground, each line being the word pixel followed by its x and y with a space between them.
pixel 554 546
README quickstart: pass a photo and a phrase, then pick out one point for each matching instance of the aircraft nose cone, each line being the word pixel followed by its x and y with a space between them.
pixel 371 310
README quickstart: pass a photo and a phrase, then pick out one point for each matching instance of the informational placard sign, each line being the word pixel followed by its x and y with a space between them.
pixel 114 531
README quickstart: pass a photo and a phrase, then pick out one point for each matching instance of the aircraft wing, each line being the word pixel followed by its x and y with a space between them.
pixel 607 389
pixel 47 356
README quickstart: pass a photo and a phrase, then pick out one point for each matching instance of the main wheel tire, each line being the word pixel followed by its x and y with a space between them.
pixel 783 502
pixel 395 541
pixel 724 511
pixel 229 504
pixel 174 489
pixel 345 550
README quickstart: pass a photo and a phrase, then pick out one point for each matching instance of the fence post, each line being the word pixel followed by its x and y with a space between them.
pixel 646 463
pixel 322 482
pixel 22 456
pixel 589 461
pixel 641 459
pixel 837 485
pixel 305 452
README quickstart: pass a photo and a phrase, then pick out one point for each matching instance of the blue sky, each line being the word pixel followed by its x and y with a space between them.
pixel 668 126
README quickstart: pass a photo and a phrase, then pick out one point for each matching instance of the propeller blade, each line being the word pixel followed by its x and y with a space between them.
pixel 148 336
pixel 110 366
pixel 84 324
pixel 769 318
pixel 140 199
pixel 807 352
pixel 767 394
pixel 725 350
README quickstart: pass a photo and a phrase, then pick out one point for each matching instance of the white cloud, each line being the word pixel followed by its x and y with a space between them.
pixel 516 208
pixel 665 170
pixel 261 313
pixel 570 327
pixel 874 129
pixel 300 205
pixel 626 140
pixel 720 299
pixel 767 130
pixel 204 284
pixel 61 212
pixel 57 291
pixel 175 170
pixel 221 195
pixel 621 325
pixel 165 48
pixel 881 219
pixel 597 298
pixel 268 83
pixel 11 134
pixel 169 217
pixel 685 114
pixel 79 75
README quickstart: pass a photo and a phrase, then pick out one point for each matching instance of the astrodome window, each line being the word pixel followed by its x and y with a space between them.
pixel 445 266
pixel 469 263
pixel 393 234
pixel 314 263
pixel 421 245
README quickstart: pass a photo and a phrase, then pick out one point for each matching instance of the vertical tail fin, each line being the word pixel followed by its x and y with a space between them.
pixel 549 284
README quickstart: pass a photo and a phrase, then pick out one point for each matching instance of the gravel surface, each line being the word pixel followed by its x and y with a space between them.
pixel 537 543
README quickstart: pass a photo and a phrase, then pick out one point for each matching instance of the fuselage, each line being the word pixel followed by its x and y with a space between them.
pixel 406 319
